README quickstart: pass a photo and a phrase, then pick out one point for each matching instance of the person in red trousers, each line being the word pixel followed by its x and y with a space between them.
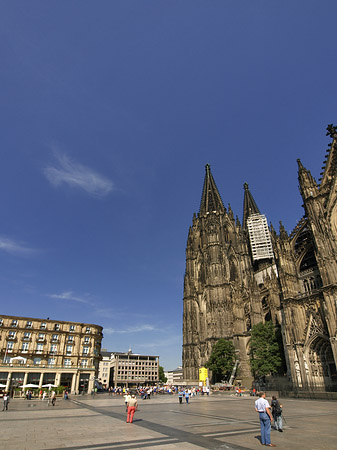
pixel 132 408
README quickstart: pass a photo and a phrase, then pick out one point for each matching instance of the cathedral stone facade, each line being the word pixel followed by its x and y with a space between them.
pixel 240 274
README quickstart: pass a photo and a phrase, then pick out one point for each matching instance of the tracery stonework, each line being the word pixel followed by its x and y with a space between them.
pixel 228 289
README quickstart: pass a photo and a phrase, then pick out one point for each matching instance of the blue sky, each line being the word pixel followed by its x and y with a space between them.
pixel 110 111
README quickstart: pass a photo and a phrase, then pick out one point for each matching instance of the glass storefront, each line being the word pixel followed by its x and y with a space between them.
pixel 49 378
pixel 33 378
pixel 66 380
pixel 84 383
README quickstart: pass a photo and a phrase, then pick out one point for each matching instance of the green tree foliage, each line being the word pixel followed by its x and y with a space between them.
pixel 265 356
pixel 222 360
pixel 162 377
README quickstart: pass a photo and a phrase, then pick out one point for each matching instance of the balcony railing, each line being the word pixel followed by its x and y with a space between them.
pixel 44 366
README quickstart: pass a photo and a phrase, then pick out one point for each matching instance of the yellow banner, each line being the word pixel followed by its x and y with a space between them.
pixel 203 374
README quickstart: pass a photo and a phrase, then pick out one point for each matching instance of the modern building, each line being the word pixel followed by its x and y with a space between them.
pixel 238 275
pixel 105 373
pixel 128 369
pixel 43 351
pixel 174 377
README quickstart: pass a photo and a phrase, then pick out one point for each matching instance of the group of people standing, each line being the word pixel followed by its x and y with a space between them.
pixel 267 414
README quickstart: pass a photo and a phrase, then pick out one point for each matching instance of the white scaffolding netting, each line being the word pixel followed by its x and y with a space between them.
pixel 259 237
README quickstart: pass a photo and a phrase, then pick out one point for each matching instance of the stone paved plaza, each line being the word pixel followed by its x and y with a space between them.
pixel 220 421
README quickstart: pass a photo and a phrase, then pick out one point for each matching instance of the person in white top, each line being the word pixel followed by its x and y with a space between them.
pixel 127 397
pixel 263 408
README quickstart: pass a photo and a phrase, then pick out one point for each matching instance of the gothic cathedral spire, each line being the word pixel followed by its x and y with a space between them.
pixel 249 206
pixel 210 200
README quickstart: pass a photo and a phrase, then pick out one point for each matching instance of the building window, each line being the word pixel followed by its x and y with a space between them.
pixel 39 348
pixel 71 339
pixel 11 335
pixel 43 326
pixel 67 362
pixel 57 327
pixel 69 349
pixel 14 323
pixel 51 361
pixel 25 346
pixel 1 322
pixel 72 328
pixel 86 339
pixel 55 337
pixel 41 337
pixel 84 363
pixel 26 335
pixel 53 348
pixel 85 350
pixel 88 330
pixel 29 324
pixel 10 346
pixel 37 361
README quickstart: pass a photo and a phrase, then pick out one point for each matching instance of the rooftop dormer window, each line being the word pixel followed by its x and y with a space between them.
pixel 14 323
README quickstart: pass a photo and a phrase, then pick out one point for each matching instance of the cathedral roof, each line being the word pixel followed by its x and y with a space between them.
pixel 249 205
pixel 330 163
pixel 210 200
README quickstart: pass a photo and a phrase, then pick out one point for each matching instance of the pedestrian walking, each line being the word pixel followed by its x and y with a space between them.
pixel 277 414
pixel 180 396
pixel 127 397
pixel 53 398
pixel 5 402
pixel 263 408
pixel 187 396
pixel 132 408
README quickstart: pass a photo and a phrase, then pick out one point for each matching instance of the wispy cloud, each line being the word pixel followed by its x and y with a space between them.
pixel 129 330
pixel 110 313
pixel 168 342
pixel 15 248
pixel 74 174
pixel 69 295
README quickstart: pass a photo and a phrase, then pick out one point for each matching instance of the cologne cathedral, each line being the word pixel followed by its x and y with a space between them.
pixel 240 274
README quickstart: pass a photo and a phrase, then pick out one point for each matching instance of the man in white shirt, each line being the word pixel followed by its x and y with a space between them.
pixel 263 408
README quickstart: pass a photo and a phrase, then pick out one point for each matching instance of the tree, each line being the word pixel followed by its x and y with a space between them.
pixel 265 357
pixel 222 359
pixel 162 377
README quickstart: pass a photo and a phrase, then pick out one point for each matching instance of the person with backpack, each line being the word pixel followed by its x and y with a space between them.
pixel 277 414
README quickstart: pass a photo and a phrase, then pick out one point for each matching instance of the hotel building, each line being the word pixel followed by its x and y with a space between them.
pixel 42 351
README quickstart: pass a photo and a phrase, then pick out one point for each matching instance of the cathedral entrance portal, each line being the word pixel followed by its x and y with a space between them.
pixel 322 365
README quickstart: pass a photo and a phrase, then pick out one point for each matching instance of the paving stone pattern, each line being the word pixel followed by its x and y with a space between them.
pixel 217 422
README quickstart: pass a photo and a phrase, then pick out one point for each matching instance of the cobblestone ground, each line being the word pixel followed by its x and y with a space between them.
pixel 217 422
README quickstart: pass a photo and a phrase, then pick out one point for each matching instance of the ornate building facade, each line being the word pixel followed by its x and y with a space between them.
pixel 44 351
pixel 240 274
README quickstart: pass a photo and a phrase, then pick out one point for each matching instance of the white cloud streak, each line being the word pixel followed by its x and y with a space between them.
pixel 78 176
pixel 15 248
pixel 69 295
pixel 130 330
pixel 168 342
